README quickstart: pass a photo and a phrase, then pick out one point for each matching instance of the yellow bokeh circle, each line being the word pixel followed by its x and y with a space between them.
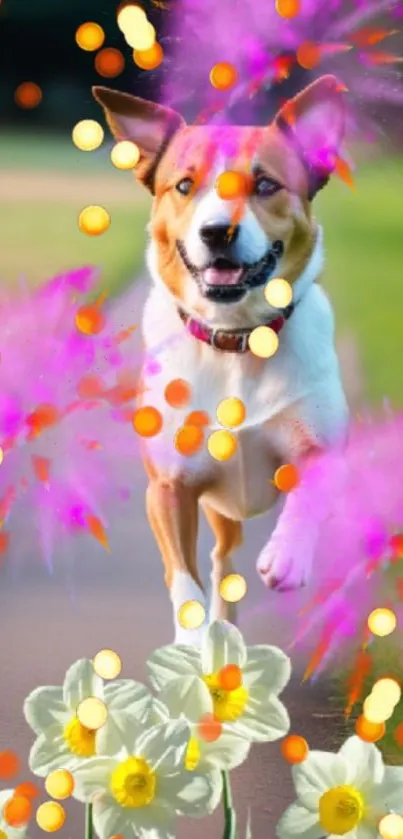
pixel 59 784
pixel 50 816
pixel 140 37
pixel 191 614
pixel 130 16
pixel 107 664
pixel 391 826
pixel 278 293
pixel 87 135
pixel 376 710
pixel 92 713
pixel 125 155
pixel 94 220
pixel 231 412
pixel 388 690
pixel 222 445
pixel 233 588
pixel 90 36
pixel 1 455
pixel 382 622
pixel 263 342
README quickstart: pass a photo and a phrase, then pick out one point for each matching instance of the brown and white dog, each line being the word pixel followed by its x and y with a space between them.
pixel 209 273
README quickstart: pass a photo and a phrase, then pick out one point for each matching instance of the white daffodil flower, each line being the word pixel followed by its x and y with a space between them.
pixel 7 832
pixel 238 685
pixel 62 741
pixel 343 794
pixel 140 791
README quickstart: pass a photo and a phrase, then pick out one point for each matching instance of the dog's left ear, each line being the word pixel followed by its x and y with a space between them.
pixel 147 124
pixel 315 123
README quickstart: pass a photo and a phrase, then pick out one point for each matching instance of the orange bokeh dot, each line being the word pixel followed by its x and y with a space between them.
pixel 209 728
pixel 177 393
pixel 197 418
pixel 308 55
pixel 232 185
pixel 288 8
pixel 368 731
pixel 89 319
pixel 286 478
pixel 398 735
pixel 109 62
pixel 294 748
pixel 44 416
pixel 230 677
pixel 89 387
pixel 396 546
pixel 189 439
pixel 90 36
pixel 28 790
pixel 149 59
pixel 223 75
pixel 17 811
pixel 28 95
pixel 9 765
pixel 147 421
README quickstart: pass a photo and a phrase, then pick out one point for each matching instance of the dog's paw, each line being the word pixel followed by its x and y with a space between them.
pixel 284 568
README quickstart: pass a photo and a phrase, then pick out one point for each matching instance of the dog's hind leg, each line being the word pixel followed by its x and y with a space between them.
pixel 228 535
pixel 172 509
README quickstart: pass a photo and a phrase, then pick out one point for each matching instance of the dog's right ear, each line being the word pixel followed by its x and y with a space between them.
pixel 147 124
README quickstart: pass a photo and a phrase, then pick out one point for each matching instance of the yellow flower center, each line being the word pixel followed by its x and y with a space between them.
pixel 192 756
pixel 2 834
pixel 133 783
pixel 229 705
pixel 80 740
pixel 340 810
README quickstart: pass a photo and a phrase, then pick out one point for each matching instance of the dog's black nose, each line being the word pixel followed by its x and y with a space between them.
pixel 219 236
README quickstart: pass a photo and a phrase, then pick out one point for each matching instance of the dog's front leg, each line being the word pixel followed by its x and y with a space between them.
pixel 172 509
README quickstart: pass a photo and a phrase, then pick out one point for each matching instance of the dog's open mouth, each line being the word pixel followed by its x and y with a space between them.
pixel 226 281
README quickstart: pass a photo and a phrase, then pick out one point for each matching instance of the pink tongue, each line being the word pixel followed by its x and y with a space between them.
pixel 215 276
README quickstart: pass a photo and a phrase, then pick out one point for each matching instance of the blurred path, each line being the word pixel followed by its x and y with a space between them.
pixel 96 600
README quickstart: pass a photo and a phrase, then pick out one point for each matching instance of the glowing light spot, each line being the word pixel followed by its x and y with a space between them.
pixel 9 765
pixel 28 95
pixel 288 8
pixel 396 546
pixel 149 59
pixel 50 816
pixel 278 293
pixel 107 664
pixel 387 690
pixel 391 826
pixel 308 55
pixel 222 445
pixel 263 342
pixel 1 455
pixel 130 16
pixel 28 790
pixel 17 811
pixel 294 749
pixel 147 421
pixel 368 731
pixel 189 439
pixel 382 622
pixel 376 710
pixel 230 677
pixel 90 36
pixel 94 220
pixel 125 155
pixel 191 614
pixel 209 728
pixel 140 37
pixel 89 320
pixel 178 393
pixel 87 135
pixel 60 784
pixel 109 62
pixel 233 588
pixel 232 185
pixel 197 418
pixel 286 477
pixel 92 713
pixel 231 412
pixel 223 75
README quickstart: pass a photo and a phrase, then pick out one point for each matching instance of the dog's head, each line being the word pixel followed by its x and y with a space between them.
pixel 215 253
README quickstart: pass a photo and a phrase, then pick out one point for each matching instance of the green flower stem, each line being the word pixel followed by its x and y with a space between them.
pixel 230 831
pixel 89 832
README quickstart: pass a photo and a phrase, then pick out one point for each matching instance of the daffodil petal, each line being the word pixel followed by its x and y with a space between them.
pixel 193 794
pixel 120 731
pixel 362 831
pixel 188 696
pixel 222 644
pixel 318 773
pixel 264 719
pixel 267 666
pixel 159 713
pixel 392 788
pixel 364 761
pixel 51 752
pixel 45 707
pixel 92 777
pixel 169 662
pixel 80 682
pixel 227 752
pixel 297 821
pixel 152 822
pixel 129 696
pixel 164 746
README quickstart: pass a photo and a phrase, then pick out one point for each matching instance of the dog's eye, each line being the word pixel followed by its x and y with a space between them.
pixel 265 186
pixel 184 186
